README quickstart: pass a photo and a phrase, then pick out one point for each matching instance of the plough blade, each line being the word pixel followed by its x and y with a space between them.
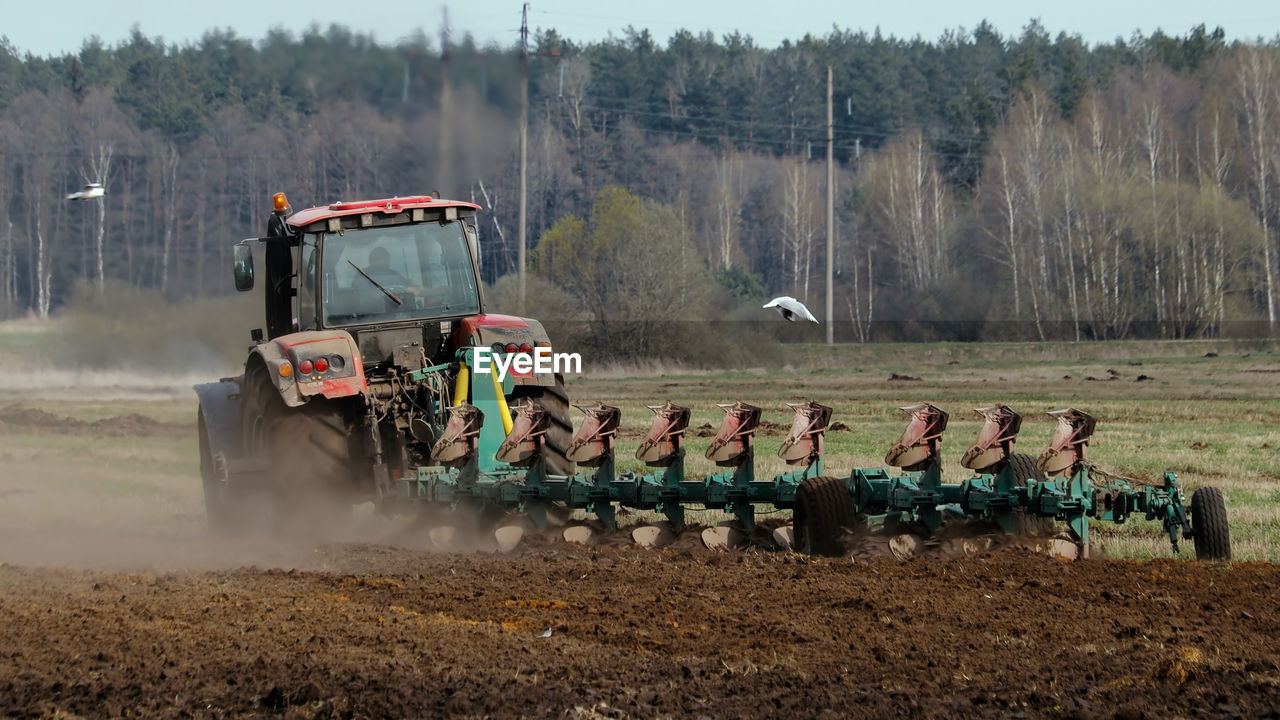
pixel 733 443
pixel 580 534
pixel 803 443
pixel 785 538
pixel 918 446
pixel 457 444
pixel 443 537
pixel 653 536
pixel 1067 448
pixel 724 537
pixel 594 440
pixel 665 441
pixel 995 439
pixel 508 537
pixel 524 441
pixel 1063 549
pixel 905 546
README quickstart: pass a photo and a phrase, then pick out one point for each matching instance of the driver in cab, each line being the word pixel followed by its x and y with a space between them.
pixel 379 269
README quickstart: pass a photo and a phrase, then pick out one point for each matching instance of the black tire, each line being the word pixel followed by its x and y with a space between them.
pixel 823 509
pixel 1209 528
pixel 1024 469
pixel 311 463
pixel 309 485
pixel 555 401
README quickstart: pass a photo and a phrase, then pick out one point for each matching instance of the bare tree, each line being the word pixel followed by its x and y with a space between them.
pixel 913 207
pixel 1256 96
pixel 100 172
pixel 728 205
pixel 169 160
pixel 799 223
pixel 42 184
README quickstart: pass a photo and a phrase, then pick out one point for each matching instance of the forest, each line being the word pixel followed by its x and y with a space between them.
pixel 986 186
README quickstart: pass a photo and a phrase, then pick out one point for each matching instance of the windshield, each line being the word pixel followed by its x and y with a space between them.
pixel 400 272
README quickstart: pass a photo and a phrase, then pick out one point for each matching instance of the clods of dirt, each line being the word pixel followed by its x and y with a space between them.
pixel 382 632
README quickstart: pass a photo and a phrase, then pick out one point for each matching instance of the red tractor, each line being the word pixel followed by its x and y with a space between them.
pixel 370 313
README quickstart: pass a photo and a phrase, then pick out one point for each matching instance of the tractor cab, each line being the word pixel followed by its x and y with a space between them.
pixel 393 273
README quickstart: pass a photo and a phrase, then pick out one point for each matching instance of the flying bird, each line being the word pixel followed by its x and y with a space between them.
pixel 791 308
pixel 90 191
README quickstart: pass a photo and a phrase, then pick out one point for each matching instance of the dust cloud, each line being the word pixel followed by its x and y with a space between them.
pixel 100 470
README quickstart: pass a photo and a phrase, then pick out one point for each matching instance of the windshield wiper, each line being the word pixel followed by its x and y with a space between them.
pixel 376 283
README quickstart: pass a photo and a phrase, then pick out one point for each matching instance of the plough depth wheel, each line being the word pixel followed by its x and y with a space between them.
pixel 1024 469
pixel 1209 524
pixel 823 509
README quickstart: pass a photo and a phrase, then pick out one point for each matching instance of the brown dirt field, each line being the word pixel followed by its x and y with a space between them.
pixel 386 632
pixel 120 605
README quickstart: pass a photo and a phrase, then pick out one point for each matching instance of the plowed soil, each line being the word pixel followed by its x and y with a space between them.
pixel 121 605
pixel 556 630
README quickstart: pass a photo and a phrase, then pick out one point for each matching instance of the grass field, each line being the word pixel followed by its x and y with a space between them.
pixel 1209 410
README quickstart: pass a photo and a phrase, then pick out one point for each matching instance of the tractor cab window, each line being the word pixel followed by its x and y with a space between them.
pixel 307 316
pixel 400 272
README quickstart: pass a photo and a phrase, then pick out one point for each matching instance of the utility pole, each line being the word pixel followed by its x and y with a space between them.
pixel 831 215
pixel 524 140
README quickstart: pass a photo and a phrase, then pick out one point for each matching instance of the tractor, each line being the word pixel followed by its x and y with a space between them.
pixel 368 380
pixel 370 314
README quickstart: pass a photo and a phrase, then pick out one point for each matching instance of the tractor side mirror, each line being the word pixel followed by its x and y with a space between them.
pixel 242 267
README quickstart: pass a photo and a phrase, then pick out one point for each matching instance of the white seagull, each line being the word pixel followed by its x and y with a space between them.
pixel 791 308
pixel 90 191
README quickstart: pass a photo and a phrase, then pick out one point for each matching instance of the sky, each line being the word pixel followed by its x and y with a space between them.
pixel 34 27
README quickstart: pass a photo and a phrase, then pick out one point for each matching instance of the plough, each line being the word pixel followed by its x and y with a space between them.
pixel 1011 491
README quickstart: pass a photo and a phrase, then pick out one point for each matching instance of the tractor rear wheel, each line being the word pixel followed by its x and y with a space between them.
pixel 311 462
pixel 1024 469
pixel 823 509
pixel 309 483
pixel 555 401
pixel 1209 524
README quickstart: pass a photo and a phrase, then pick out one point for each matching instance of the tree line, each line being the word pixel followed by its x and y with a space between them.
pixel 986 186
